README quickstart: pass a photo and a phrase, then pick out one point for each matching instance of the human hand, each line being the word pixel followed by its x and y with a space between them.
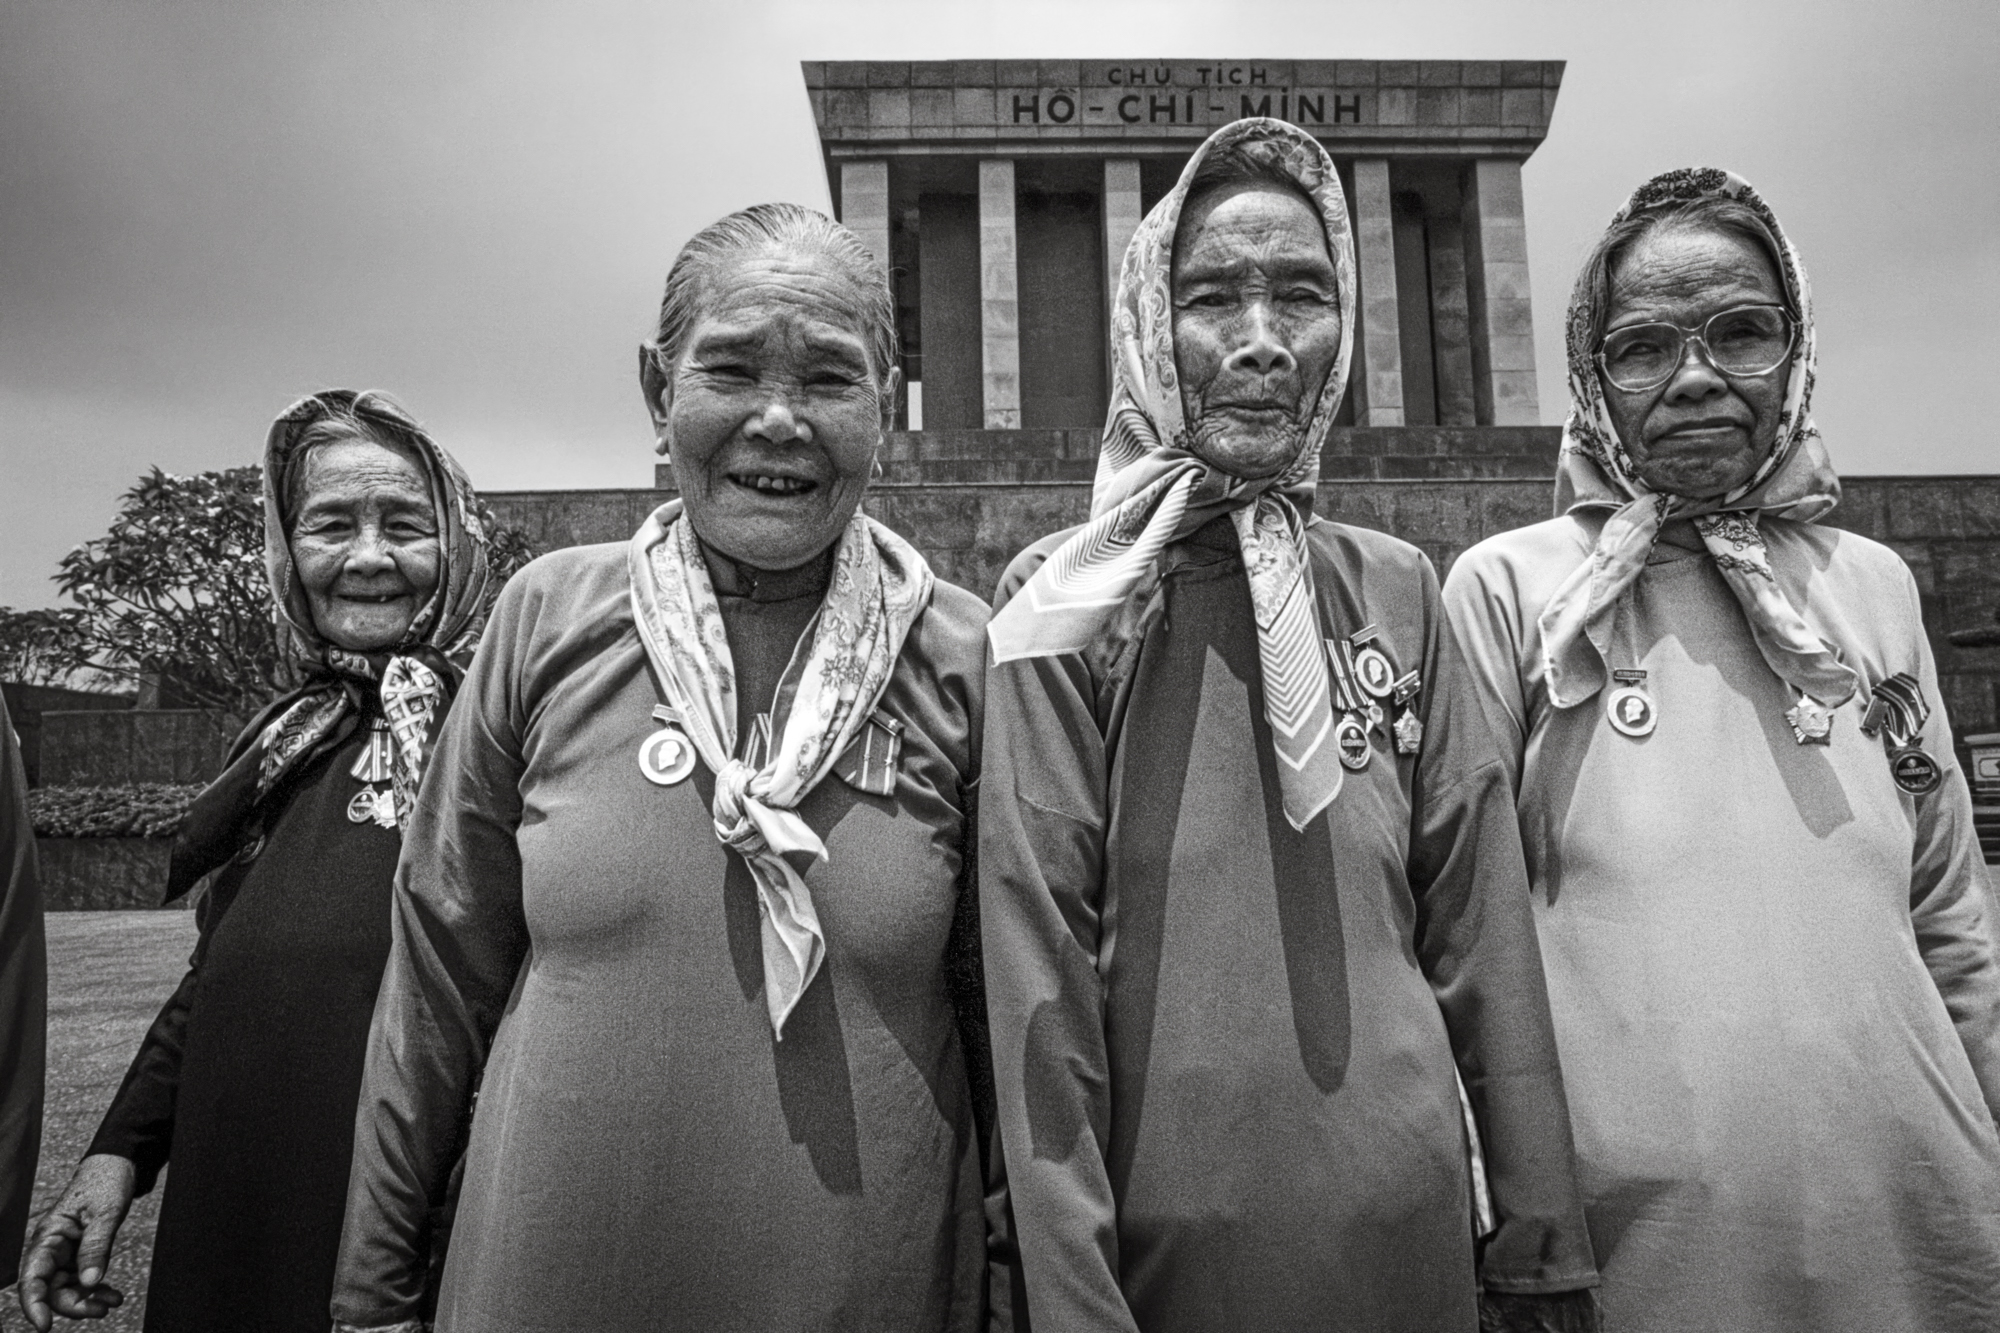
pixel 65 1267
pixel 1556 1312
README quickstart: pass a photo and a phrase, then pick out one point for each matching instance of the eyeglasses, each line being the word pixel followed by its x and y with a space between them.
pixel 1745 340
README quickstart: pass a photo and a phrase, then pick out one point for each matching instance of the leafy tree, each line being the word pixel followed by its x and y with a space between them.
pixel 32 646
pixel 176 594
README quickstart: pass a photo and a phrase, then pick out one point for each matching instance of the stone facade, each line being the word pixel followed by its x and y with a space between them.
pixel 972 499
pixel 1000 195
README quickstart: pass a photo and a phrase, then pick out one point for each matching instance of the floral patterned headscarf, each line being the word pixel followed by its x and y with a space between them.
pixel 1152 489
pixel 413 681
pixel 418 675
pixel 1795 481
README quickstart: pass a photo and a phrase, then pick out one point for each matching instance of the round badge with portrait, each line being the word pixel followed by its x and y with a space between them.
pixel 666 757
pixel 1350 738
pixel 1372 669
pixel 1631 711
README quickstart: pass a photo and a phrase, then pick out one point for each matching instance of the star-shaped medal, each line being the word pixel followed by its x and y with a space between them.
pixel 1409 732
pixel 1812 721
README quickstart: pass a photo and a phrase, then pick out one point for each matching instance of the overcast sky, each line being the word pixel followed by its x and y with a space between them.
pixel 209 208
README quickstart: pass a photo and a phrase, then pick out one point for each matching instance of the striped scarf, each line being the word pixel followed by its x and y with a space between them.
pixel 1152 489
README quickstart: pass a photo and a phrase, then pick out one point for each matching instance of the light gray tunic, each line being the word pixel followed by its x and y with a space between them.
pixel 1772 972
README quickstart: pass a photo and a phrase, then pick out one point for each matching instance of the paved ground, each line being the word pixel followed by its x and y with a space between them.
pixel 109 972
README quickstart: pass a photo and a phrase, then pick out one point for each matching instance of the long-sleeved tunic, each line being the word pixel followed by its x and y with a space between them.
pixel 573 943
pixel 247 1079
pixel 24 1003
pixel 1224 1048
pixel 1772 972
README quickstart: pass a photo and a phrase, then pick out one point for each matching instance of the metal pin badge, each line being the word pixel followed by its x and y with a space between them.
pixel 1409 732
pixel 1915 771
pixel 1630 709
pixel 1350 738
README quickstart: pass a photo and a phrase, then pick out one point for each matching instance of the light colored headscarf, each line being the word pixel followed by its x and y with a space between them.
pixel 1796 481
pixel 417 676
pixel 880 585
pixel 1152 489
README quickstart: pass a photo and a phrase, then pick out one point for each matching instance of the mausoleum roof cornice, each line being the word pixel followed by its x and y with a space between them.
pixel 1472 108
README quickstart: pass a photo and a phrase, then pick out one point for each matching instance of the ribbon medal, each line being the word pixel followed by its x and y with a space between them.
pixel 377 763
pixel 667 756
pixel 1350 732
pixel 1629 707
pixel 1898 710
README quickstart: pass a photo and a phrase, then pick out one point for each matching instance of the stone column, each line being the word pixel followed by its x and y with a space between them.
pixel 999 297
pixel 1496 288
pixel 864 205
pixel 1122 214
pixel 1451 334
pixel 1378 399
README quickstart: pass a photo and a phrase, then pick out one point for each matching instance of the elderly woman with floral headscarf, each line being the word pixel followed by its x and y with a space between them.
pixel 680 901
pixel 247 1081
pixel 1770 947
pixel 1251 890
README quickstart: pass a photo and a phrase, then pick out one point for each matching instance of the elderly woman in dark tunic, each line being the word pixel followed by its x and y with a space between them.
pixel 1769 939
pixel 248 1079
pixel 23 1002
pixel 678 900
pixel 1251 889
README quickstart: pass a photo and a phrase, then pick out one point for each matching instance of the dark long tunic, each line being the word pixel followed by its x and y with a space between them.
pixel 1224 1049
pixel 23 1003
pixel 573 941
pixel 247 1080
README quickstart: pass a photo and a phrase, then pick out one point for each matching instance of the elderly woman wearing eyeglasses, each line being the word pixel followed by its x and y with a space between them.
pixel 1769 942
pixel 247 1081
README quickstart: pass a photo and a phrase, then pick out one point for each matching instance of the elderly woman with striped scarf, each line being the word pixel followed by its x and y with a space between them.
pixel 1257 936
pixel 1769 939
pixel 680 901
pixel 247 1081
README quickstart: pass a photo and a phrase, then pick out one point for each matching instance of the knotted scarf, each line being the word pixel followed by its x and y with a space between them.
pixel 1795 481
pixel 412 681
pixel 1152 489
pixel 879 586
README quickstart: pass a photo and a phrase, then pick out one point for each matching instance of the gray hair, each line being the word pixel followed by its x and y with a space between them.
pixel 790 229
pixel 338 423
pixel 1715 213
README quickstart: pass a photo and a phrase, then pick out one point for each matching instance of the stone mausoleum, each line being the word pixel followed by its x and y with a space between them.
pixel 1001 194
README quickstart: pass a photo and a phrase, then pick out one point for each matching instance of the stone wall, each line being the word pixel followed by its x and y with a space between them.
pixel 972 499
pixel 27 703
pixel 184 745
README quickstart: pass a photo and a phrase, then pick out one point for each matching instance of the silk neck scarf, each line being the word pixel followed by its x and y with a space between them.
pixel 879 586
pixel 1152 489
pixel 417 677
pixel 1595 473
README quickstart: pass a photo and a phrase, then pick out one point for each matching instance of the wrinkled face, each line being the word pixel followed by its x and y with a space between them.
pixel 775 410
pixel 1702 433
pixel 365 543
pixel 1256 324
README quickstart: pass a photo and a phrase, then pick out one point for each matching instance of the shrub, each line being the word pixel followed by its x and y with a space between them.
pixel 134 810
